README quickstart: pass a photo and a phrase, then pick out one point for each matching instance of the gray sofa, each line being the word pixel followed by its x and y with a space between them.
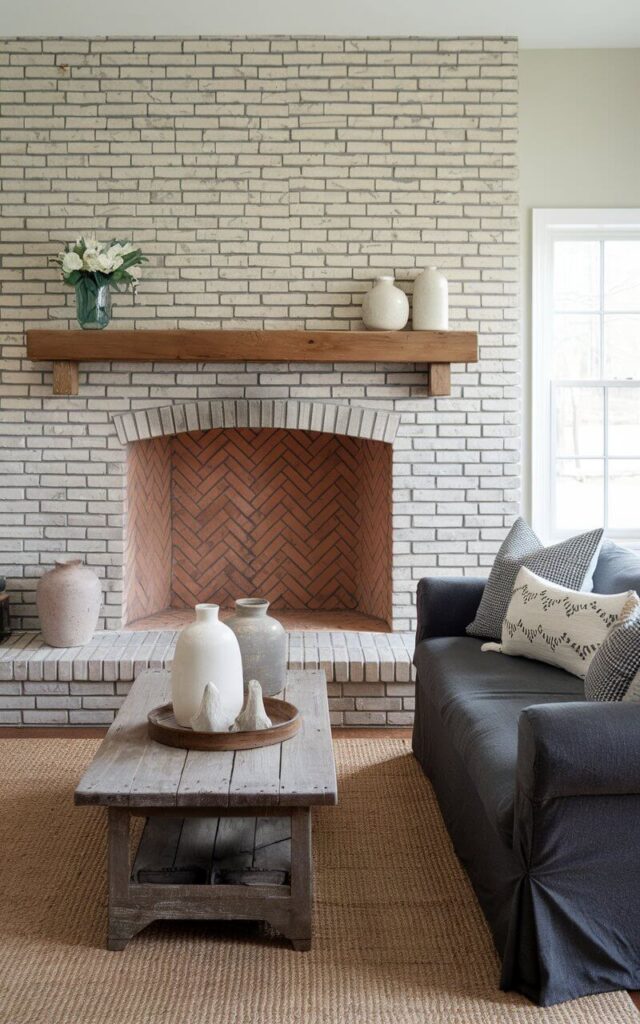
pixel 540 792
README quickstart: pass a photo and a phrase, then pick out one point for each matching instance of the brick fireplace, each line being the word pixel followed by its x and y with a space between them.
pixel 268 180
pixel 301 517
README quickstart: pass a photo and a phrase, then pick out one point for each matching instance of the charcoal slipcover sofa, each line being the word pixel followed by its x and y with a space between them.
pixel 540 792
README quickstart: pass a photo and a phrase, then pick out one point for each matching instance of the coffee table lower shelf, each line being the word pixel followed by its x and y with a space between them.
pixel 252 863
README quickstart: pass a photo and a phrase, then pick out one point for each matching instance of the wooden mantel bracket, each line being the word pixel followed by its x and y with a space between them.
pixel 436 349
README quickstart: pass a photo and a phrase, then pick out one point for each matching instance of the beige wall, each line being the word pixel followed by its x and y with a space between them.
pixel 579 147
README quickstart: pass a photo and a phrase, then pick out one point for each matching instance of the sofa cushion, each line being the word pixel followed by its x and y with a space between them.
pixel 615 669
pixel 478 698
pixel 561 627
pixel 617 569
pixel 570 563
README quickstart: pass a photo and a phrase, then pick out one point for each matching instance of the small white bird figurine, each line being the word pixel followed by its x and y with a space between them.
pixel 211 716
pixel 253 714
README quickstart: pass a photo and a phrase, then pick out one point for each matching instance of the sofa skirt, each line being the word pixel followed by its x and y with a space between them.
pixel 548 903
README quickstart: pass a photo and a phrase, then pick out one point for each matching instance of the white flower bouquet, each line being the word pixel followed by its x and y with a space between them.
pixel 116 261
pixel 92 267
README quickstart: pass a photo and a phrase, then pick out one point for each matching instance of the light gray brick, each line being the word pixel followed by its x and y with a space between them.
pixel 44 717
pixel 92 717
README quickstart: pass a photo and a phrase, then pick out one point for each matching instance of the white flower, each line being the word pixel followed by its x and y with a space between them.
pixel 70 262
pixel 90 259
pixel 114 255
pixel 108 263
pixel 93 244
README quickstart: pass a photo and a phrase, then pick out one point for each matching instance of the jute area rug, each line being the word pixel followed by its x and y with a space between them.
pixel 398 933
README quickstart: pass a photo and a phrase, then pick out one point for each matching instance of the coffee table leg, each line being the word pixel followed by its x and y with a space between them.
pixel 299 931
pixel 120 930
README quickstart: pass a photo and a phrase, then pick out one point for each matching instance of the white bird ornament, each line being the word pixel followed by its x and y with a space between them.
pixel 253 715
pixel 211 717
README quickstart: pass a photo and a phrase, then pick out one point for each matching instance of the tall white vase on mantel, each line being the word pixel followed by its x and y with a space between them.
pixel 431 301
pixel 206 652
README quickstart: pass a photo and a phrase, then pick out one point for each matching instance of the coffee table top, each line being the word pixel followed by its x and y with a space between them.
pixel 132 770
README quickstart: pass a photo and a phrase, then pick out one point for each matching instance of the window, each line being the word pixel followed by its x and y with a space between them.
pixel 586 372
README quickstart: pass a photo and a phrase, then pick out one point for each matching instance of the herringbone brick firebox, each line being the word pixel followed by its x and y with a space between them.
pixel 300 517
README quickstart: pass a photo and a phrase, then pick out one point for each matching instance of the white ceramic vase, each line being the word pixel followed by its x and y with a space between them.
pixel 431 301
pixel 385 307
pixel 206 652
pixel 68 599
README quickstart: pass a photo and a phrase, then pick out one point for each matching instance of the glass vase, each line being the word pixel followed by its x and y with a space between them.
pixel 93 304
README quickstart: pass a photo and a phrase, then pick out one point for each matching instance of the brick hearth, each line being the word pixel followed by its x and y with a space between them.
pixel 369 675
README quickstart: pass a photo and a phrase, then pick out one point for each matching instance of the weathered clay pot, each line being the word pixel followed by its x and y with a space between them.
pixel 68 600
pixel 263 644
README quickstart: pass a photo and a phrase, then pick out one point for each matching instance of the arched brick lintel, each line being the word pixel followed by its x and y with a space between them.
pixel 324 417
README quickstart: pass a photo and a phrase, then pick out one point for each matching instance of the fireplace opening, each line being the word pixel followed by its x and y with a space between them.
pixel 302 518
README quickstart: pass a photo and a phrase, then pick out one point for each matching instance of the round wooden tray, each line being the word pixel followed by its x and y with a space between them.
pixel 163 728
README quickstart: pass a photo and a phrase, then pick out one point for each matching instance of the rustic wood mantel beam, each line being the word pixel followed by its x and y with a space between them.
pixel 65 349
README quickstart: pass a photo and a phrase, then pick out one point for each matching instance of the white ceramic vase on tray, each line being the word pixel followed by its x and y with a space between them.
pixel 206 652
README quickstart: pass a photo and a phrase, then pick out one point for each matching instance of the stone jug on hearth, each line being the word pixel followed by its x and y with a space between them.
pixel 68 599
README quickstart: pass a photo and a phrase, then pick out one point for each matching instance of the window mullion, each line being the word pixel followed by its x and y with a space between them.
pixel 605 396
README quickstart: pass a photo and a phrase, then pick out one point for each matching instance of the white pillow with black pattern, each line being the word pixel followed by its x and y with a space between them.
pixel 570 563
pixel 614 673
pixel 559 626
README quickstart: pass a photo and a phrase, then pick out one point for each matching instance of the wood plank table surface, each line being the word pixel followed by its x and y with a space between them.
pixel 196 870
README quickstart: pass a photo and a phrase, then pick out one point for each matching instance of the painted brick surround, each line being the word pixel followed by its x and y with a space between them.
pixel 268 180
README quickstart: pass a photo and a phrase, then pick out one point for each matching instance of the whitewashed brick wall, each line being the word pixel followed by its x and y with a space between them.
pixel 268 180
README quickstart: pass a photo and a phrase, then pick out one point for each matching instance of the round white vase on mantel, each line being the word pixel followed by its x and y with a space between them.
pixel 385 306
pixel 68 599
pixel 206 652
pixel 431 301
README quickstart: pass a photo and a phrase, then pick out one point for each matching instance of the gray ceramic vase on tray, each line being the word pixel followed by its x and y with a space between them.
pixel 263 644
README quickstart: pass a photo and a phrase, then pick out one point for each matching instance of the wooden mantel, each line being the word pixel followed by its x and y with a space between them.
pixel 66 349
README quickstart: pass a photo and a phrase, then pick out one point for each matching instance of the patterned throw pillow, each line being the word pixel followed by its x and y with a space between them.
pixel 569 564
pixel 614 673
pixel 633 693
pixel 563 627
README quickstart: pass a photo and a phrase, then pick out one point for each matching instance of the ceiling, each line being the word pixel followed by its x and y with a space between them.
pixel 536 23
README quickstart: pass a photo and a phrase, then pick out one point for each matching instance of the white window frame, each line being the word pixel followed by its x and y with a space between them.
pixel 549 225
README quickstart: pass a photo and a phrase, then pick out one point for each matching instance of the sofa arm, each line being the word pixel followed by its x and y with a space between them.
pixel 447 604
pixel 579 749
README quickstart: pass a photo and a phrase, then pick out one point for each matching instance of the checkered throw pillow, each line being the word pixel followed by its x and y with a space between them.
pixel 568 564
pixel 614 673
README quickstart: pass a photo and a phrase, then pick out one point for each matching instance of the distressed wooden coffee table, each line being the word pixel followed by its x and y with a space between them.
pixel 228 833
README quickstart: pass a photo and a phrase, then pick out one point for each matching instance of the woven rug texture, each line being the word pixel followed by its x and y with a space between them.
pixel 398 935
